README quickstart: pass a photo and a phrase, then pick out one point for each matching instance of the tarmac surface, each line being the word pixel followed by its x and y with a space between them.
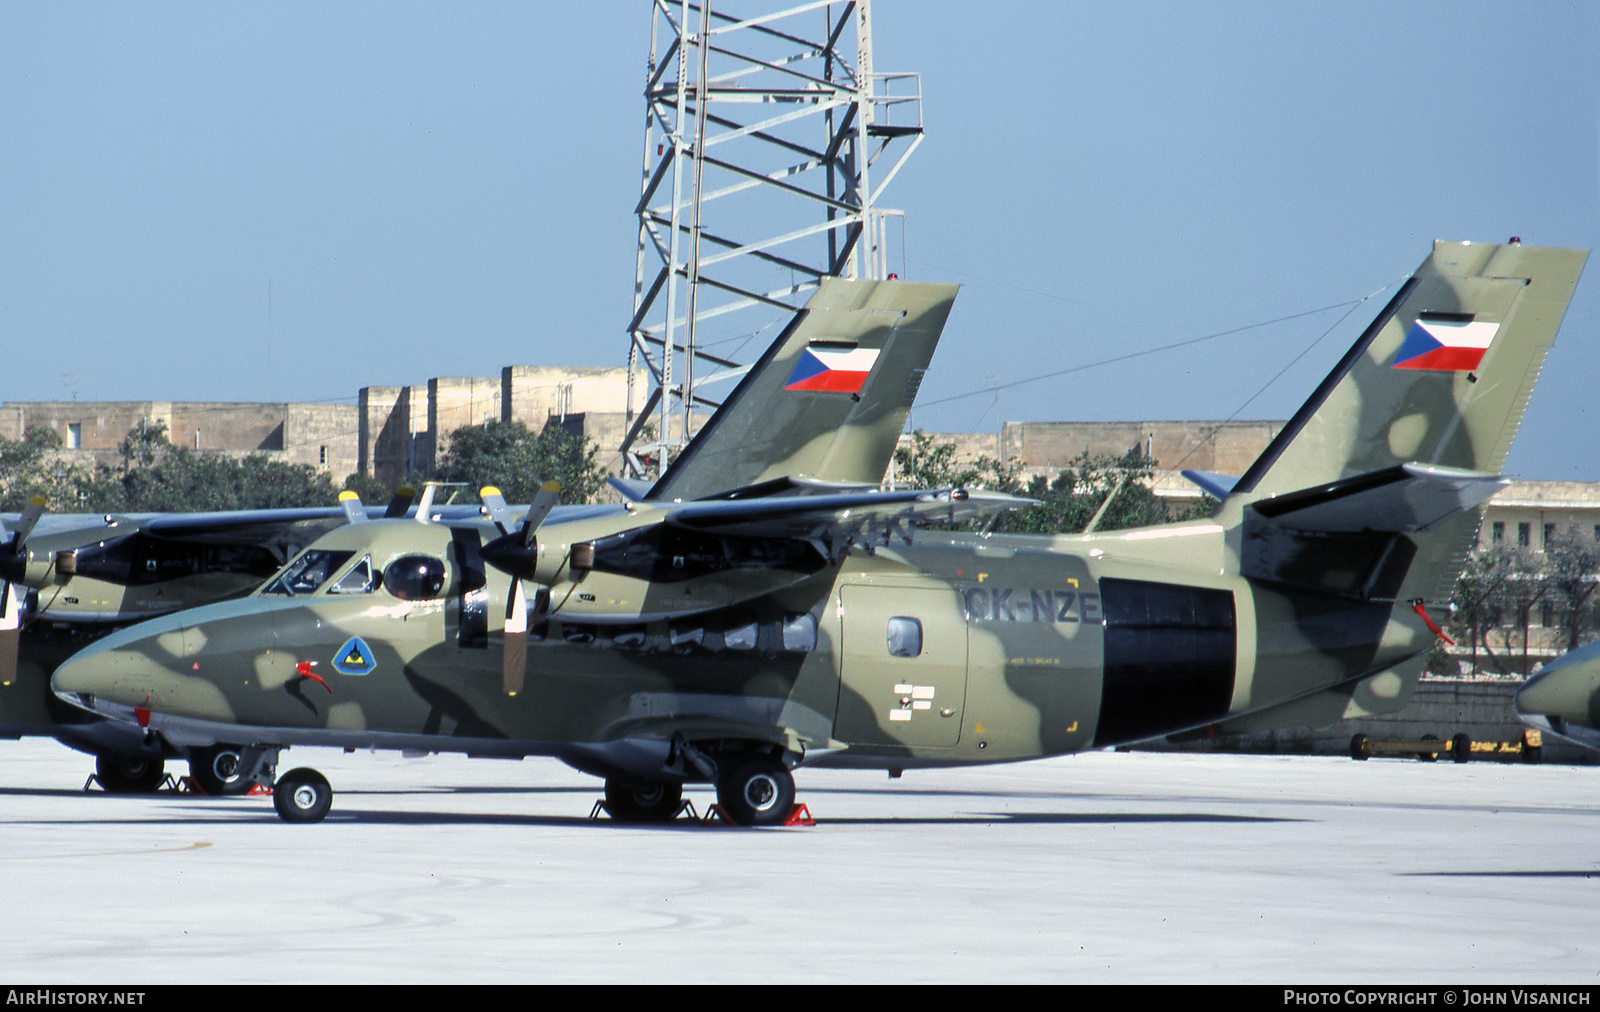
pixel 1121 867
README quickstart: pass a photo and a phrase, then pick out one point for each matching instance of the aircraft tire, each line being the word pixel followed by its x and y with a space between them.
pixel 1461 748
pixel 223 769
pixel 1358 748
pixel 302 795
pixel 1428 757
pixel 129 774
pixel 756 792
pixel 649 802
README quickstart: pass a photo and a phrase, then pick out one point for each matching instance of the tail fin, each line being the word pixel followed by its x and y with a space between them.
pixel 1441 377
pixel 828 399
pixel 1425 404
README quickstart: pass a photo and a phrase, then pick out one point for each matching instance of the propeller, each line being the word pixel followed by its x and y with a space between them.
pixel 401 502
pixel 13 568
pixel 514 554
pixel 350 502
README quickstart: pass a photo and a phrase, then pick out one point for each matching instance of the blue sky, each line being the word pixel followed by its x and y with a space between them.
pixel 441 191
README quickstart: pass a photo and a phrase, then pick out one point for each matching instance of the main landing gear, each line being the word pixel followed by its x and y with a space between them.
pixel 129 774
pixel 752 790
pixel 756 791
pixel 651 802
pixel 223 769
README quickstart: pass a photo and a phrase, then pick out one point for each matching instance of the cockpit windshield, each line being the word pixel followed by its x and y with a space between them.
pixel 305 574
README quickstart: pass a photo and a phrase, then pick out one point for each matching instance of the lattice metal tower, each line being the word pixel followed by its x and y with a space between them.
pixel 768 143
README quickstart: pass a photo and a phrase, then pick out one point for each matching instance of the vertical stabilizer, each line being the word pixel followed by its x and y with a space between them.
pixel 827 400
pixel 1441 377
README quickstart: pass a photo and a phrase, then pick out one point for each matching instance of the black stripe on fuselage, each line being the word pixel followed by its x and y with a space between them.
pixel 1170 653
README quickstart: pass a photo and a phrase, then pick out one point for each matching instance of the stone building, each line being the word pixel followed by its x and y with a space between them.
pixel 405 430
pixel 322 435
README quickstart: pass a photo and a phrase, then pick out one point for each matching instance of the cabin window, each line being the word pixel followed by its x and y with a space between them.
pixel 800 634
pixel 308 572
pixel 741 637
pixel 363 579
pixel 905 637
pixel 414 577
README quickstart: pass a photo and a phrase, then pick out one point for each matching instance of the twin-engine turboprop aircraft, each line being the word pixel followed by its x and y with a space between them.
pixel 731 630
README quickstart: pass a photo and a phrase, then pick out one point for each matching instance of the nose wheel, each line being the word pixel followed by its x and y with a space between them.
pixel 302 795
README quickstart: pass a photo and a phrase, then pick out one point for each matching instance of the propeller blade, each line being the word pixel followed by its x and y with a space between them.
pixel 499 512
pixel 401 502
pixel 10 632
pixel 351 504
pixel 548 495
pixel 14 563
pixel 514 662
pixel 30 516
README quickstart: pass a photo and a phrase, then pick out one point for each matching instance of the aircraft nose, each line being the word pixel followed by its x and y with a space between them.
pixel 113 678
pixel 1568 688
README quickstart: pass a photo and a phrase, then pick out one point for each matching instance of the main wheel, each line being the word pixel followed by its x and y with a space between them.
pixel 649 802
pixel 1358 747
pixel 129 774
pixel 224 769
pixel 1461 748
pixel 756 792
pixel 302 795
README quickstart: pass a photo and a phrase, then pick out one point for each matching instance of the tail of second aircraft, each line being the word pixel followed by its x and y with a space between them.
pixel 1410 431
pixel 1356 520
pixel 828 399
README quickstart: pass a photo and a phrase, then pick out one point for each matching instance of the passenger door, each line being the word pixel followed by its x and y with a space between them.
pixel 903 666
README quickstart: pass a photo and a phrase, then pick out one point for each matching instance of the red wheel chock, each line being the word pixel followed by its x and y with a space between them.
pixel 799 815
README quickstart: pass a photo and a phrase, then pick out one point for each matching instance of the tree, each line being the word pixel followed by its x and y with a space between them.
pixel 1571 569
pixel 515 460
pixel 159 477
pixel 1121 485
pixel 31 467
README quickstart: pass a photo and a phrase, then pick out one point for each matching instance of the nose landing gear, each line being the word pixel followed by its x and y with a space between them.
pixel 302 795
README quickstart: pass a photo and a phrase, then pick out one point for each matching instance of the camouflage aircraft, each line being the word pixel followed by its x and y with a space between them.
pixel 731 631
pixel 1563 697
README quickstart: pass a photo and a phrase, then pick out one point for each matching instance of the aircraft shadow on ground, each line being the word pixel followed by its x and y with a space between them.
pixel 1593 873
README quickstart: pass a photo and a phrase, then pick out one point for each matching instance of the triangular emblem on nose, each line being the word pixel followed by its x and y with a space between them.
pixel 354 658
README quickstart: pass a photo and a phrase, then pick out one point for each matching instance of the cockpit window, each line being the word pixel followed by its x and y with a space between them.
pixel 414 577
pixel 305 574
pixel 362 579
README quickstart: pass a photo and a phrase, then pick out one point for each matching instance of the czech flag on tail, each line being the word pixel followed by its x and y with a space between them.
pixel 1445 342
pixel 834 369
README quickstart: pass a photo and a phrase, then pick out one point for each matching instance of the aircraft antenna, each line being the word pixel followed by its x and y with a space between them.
pixel 768 142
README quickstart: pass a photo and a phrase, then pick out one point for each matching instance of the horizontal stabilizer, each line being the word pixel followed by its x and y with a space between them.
pixel 633 491
pixel 1213 484
pixel 826 515
pixel 790 485
pixel 1399 500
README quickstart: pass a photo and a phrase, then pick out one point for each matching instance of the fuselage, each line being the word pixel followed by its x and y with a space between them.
pixel 954 648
